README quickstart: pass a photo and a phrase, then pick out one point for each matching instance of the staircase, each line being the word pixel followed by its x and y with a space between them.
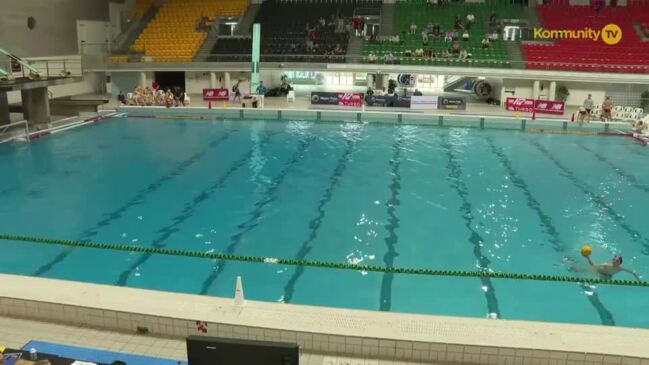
pixel 532 17
pixel 515 53
pixel 205 50
pixel 245 24
pixel 124 42
pixel 354 49
pixel 451 83
pixel 387 20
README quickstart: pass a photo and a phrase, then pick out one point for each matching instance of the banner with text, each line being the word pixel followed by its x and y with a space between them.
pixel 216 94
pixel 340 99
pixel 541 106
pixel 456 103
pixel 389 101
pixel 424 102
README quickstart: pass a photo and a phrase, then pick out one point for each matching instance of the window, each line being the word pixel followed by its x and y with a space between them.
pixel 427 81
pixel 340 78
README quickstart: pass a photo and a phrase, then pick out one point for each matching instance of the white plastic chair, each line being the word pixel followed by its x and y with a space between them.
pixel 290 97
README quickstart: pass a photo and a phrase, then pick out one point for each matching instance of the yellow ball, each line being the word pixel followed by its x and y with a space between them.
pixel 586 250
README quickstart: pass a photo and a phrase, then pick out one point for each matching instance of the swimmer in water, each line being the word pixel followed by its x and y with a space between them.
pixel 607 270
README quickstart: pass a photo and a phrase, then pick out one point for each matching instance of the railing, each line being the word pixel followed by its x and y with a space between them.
pixel 433 62
pixel 57 67
pixel 6 127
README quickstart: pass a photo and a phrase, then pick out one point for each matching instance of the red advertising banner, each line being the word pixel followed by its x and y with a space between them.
pixel 550 107
pixel 216 94
pixel 520 105
pixel 349 99
pixel 529 105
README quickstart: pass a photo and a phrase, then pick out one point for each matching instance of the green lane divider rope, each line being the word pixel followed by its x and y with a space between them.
pixel 323 264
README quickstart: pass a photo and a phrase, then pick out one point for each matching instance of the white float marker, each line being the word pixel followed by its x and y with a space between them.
pixel 238 293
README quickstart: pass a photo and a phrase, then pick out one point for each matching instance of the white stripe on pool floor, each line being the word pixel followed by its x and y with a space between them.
pixel 15 333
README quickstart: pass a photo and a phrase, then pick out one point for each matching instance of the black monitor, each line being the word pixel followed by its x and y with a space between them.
pixel 203 350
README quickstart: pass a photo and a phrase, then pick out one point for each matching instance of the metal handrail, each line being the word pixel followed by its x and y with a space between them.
pixel 4 128
pixel 20 61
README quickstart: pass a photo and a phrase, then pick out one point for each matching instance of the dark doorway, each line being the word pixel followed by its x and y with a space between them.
pixel 169 80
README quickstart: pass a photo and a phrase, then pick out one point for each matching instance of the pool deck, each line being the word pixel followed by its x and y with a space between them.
pixel 334 331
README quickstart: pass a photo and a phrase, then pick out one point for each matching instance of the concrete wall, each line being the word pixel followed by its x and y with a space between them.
pixel 578 90
pixel 195 82
pixel 91 84
pixel 55 32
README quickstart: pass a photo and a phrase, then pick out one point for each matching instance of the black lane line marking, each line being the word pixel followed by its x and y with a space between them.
pixel 316 222
pixel 635 235
pixel 269 196
pixel 137 199
pixel 385 303
pixel 605 315
pixel 188 211
pixel 455 178
pixel 630 178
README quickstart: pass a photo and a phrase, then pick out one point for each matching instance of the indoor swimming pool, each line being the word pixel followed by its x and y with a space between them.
pixel 377 194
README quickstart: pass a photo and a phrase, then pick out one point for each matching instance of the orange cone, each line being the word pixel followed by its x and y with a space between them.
pixel 572 117
pixel 209 104
pixel 534 114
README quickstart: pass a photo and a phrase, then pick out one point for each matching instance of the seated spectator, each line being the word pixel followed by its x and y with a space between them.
pixel 121 97
pixel 463 54
pixel 446 53
pixel 470 19
pixel 417 93
pixel 457 23
pixel 456 47
pixel 424 38
pixel 338 49
pixel 413 28
pixel 493 19
pixel 322 21
pixel 493 36
pixel 419 52
pixel 485 43
pixel 448 37
pixel 407 52
pixel 432 2
pixel 429 28
pixel 640 127
pixel 371 58
pixel 430 54
pixel 396 39
pixel 465 35
pixel 437 32
pixel 389 58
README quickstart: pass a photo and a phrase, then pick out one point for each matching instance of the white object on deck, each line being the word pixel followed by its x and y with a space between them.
pixel 238 293
pixel 290 97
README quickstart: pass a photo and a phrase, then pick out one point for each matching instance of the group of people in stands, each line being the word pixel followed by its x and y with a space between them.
pixel 152 96
pixel 434 31
pixel 313 42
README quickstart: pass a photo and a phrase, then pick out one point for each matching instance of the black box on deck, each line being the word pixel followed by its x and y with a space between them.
pixel 203 350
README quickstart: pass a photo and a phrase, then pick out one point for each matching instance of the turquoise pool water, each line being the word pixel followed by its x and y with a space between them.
pixel 395 195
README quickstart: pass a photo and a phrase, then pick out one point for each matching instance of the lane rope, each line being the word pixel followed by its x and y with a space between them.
pixel 323 264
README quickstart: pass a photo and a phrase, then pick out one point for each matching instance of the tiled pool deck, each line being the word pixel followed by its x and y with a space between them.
pixel 331 332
